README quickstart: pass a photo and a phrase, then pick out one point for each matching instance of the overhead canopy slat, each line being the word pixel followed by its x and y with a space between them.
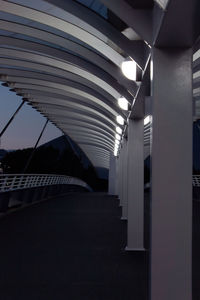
pixel 67 66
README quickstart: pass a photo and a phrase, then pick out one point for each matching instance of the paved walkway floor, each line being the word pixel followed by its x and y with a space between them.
pixel 196 250
pixel 70 248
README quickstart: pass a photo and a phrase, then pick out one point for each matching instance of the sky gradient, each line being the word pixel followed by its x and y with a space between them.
pixel 24 131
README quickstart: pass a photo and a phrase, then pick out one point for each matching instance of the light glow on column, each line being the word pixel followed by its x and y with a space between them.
pixel 116 147
pixel 119 130
pixel 129 69
pixel 147 120
pixel 117 136
pixel 115 152
pixel 151 70
pixel 123 103
pixel 120 120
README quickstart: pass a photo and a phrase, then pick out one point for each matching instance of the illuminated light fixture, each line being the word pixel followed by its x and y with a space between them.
pixel 115 152
pixel 120 120
pixel 116 142
pixel 129 69
pixel 146 120
pixel 119 130
pixel 151 70
pixel 117 136
pixel 116 148
pixel 123 103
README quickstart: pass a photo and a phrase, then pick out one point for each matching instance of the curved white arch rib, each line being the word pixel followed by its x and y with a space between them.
pixel 55 110
pixel 27 83
pixel 89 55
pixel 94 100
pixel 33 57
pixel 86 132
pixel 22 68
pixel 81 124
pixel 64 26
pixel 88 138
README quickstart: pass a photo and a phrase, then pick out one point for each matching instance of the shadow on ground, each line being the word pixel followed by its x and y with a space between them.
pixel 70 248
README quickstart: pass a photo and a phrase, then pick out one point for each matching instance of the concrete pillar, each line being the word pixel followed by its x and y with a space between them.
pixel 135 169
pixel 171 160
pixel 125 183
pixel 112 176
pixel 117 177
pixel 120 177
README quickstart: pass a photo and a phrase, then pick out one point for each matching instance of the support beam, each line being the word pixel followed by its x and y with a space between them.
pixel 138 19
pixel 32 153
pixel 108 31
pixel 11 119
pixel 135 228
pixel 181 32
pixel 171 162
pixel 138 105
pixel 117 176
pixel 112 175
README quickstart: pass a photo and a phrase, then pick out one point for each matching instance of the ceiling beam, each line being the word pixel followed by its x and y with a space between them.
pixel 140 20
pixel 101 25
pixel 180 24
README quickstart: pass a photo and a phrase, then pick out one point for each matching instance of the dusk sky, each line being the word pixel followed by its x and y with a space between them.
pixel 27 125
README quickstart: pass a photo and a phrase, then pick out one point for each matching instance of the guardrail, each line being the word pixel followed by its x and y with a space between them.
pixel 18 190
pixel 12 182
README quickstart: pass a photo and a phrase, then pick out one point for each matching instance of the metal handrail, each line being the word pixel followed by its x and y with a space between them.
pixel 11 182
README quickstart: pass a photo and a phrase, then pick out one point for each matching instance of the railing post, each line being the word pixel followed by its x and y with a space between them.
pixel 32 153
pixel 30 188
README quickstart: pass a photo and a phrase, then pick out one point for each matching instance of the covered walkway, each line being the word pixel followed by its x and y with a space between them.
pixel 122 79
pixel 71 247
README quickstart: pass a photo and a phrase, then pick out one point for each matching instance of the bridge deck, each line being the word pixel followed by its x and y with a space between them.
pixel 70 248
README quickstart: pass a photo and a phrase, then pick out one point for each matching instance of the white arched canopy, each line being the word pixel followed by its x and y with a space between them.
pixel 65 60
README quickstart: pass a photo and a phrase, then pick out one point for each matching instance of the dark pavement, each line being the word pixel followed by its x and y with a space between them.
pixel 70 248
pixel 196 250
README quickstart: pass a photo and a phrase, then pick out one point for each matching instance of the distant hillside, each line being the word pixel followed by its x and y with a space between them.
pixel 65 142
pixel 59 144
pixel 67 148
pixel 79 152
pixel 58 156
